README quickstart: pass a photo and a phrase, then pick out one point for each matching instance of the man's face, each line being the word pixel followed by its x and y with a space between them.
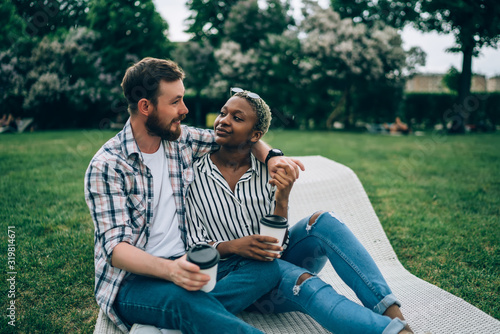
pixel 165 120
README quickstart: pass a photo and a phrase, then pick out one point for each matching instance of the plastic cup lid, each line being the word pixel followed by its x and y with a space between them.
pixel 203 255
pixel 274 221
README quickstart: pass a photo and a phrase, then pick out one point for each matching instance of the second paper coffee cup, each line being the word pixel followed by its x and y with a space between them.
pixel 207 258
pixel 274 226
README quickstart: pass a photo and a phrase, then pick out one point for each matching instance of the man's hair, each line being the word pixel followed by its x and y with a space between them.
pixel 142 80
pixel 261 109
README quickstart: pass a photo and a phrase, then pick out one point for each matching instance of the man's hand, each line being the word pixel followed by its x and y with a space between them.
pixel 295 165
pixel 181 272
pixel 186 274
pixel 255 247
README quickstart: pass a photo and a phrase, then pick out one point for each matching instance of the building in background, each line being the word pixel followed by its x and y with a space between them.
pixel 433 83
pixel 493 84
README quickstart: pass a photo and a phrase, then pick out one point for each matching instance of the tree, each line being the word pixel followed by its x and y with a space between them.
pixel 247 24
pixel 57 81
pixel 197 61
pixel 129 30
pixel 260 54
pixel 11 25
pixel 394 13
pixel 474 24
pixel 44 17
pixel 345 56
pixel 207 19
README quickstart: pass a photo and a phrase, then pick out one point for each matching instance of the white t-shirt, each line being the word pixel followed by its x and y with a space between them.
pixel 164 235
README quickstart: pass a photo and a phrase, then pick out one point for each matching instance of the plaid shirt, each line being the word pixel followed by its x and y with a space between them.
pixel 119 193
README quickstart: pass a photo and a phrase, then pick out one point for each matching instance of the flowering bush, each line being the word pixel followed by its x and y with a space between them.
pixel 59 82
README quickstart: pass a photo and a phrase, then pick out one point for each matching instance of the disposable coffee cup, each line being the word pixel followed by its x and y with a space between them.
pixel 207 258
pixel 274 226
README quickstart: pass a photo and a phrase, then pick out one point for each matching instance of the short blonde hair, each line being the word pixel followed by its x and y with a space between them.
pixel 261 109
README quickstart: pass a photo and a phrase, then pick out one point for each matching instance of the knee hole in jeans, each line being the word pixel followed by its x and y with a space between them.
pixel 303 277
pixel 315 216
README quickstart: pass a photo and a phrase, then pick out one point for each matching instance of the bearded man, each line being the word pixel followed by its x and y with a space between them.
pixel 135 188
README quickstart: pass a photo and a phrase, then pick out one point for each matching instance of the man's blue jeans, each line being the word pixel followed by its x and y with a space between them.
pixel 309 248
pixel 163 304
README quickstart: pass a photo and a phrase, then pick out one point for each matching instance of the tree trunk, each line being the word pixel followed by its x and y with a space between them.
pixel 464 85
pixel 339 109
pixel 349 113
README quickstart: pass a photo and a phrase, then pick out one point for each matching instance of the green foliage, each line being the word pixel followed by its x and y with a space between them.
pixel 46 17
pixel 198 62
pixel 426 110
pixel 129 30
pixel 11 25
pixel 451 79
pixel 207 19
pixel 491 109
pixel 301 71
pixel 63 61
pixel 65 74
pixel 474 24
pixel 393 13
pixel 342 55
pixel 58 83
pixel 247 24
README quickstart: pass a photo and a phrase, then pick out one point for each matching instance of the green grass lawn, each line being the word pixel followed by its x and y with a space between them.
pixel 438 198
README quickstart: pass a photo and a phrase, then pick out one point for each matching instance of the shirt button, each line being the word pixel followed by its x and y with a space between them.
pixel 149 200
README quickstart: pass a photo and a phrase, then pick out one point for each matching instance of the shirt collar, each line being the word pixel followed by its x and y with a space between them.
pixel 129 144
pixel 206 165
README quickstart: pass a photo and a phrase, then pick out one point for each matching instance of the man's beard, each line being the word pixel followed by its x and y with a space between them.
pixel 156 128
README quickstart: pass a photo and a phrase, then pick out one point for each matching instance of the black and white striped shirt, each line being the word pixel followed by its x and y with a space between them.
pixel 215 213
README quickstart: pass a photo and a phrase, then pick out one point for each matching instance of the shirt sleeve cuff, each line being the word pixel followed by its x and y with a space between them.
pixel 115 236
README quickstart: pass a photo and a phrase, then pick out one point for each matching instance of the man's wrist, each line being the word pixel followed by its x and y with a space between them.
pixel 274 152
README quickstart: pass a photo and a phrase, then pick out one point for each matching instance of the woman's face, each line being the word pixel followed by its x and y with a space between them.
pixel 234 126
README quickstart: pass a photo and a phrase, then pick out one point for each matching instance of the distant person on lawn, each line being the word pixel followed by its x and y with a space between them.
pixel 135 188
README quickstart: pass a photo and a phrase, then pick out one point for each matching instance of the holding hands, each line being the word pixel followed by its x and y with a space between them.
pixel 283 179
pixel 276 163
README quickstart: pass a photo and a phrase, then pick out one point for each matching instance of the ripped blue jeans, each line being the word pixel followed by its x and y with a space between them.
pixel 309 248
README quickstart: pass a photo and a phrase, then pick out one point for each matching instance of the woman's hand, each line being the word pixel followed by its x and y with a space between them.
pixel 283 179
pixel 255 247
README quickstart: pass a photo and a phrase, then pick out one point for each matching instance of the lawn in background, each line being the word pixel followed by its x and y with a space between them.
pixel 437 197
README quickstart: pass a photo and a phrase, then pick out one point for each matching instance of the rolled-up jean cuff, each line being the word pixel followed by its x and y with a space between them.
pixel 385 303
pixel 395 326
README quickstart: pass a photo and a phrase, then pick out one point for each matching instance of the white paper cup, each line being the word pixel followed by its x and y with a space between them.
pixel 212 272
pixel 274 226
pixel 207 258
